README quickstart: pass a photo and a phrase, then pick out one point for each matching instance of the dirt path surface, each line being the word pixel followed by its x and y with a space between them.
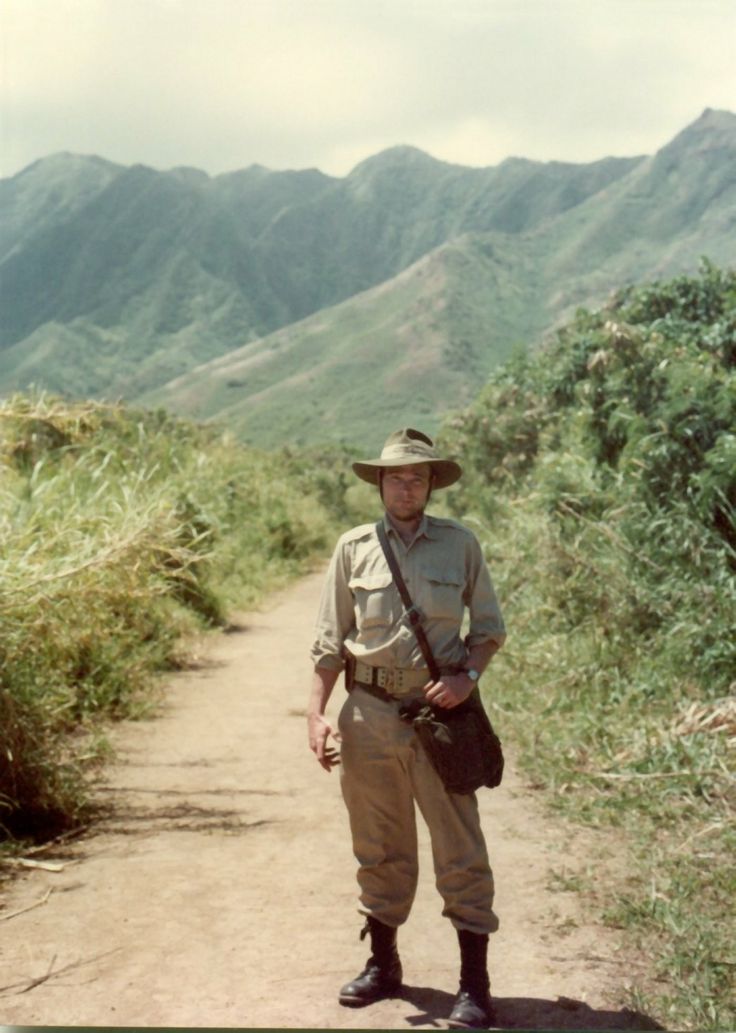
pixel 221 890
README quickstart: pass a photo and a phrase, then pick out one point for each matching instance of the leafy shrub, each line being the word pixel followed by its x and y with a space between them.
pixel 601 473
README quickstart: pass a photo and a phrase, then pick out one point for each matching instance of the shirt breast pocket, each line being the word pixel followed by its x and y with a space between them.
pixel 374 600
pixel 444 595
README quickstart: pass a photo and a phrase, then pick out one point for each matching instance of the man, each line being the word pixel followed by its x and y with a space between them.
pixel 384 769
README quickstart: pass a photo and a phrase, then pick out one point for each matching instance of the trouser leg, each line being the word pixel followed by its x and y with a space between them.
pixel 462 870
pixel 384 768
pixel 378 794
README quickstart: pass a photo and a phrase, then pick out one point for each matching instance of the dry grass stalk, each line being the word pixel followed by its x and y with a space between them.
pixel 715 716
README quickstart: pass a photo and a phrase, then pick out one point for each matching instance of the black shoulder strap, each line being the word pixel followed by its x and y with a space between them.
pixel 415 617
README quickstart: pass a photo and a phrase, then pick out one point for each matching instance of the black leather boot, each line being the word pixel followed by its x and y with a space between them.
pixel 473 1008
pixel 381 976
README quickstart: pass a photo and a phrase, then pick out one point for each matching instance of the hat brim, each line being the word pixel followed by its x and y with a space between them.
pixel 445 471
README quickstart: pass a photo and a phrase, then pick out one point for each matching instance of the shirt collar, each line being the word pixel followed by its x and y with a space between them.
pixel 424 530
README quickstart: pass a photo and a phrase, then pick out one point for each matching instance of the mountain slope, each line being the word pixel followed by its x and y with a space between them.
pixel 47 192
pixel 658 221
pixel 468 303
pixel 418 344
pixel 176 268
pixel 116 281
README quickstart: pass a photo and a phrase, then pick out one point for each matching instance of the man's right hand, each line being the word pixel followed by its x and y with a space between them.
pixel 320 731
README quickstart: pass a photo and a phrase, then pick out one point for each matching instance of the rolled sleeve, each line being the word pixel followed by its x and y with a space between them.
pixel 335 616
pixel 486 619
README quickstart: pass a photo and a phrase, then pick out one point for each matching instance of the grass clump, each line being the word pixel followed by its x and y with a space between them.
pixel 122 531
pixel 601 473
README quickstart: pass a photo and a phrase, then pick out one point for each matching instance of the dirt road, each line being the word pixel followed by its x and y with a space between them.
pixel 220 891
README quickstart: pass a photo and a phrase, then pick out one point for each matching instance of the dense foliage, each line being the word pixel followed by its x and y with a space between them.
pixel 122 531
pixel 602 475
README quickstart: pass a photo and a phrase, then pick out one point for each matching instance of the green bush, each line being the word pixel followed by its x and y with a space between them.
pixel 601 473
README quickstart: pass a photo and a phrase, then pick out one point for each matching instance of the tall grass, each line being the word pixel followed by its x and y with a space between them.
pixel 120 533
pixel 602 477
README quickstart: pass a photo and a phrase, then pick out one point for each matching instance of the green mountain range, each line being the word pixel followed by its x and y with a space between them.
pixel 299 307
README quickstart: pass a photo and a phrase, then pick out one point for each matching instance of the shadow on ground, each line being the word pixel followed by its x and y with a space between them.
pixel 527 1013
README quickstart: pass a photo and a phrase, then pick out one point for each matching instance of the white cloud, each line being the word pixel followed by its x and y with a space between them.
pixel 293 83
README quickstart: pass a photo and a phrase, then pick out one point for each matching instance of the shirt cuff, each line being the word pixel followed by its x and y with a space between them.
pixel 499 637
pixel 329 661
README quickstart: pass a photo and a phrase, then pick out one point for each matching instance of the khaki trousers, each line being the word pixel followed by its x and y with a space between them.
pixel 384 770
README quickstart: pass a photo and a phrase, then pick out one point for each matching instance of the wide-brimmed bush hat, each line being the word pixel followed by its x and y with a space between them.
pixel 405 447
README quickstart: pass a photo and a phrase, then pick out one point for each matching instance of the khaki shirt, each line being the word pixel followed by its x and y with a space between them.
pixel 445 574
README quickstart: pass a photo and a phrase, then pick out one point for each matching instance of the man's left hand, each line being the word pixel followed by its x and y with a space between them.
pixel 450 690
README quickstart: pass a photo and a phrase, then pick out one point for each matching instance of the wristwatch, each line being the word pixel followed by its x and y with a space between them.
pixel 472 674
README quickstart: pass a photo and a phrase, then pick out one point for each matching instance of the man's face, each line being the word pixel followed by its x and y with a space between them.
pixel 406 489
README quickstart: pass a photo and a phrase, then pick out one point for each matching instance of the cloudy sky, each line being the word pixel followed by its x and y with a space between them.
pixel 223 84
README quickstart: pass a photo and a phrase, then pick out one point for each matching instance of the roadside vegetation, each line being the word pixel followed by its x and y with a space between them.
pixel 601 477
pixel 122 534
